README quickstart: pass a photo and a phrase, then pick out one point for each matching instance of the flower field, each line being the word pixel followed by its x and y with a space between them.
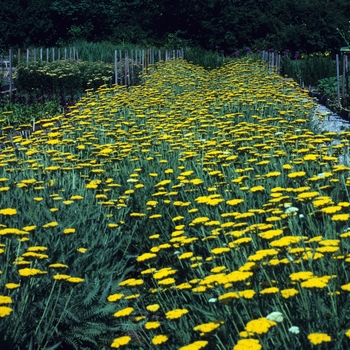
pixel 199 210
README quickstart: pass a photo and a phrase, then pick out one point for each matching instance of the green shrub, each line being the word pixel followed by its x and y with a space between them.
pixel 309 69
pixel 61 78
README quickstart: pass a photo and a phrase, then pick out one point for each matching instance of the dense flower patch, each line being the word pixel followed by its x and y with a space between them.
pixel 197 210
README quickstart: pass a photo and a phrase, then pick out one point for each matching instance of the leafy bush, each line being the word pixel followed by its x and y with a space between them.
pixel 308 69
pixel 62 78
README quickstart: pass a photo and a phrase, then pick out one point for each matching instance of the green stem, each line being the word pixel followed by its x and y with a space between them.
pixel 46 308
pixel 59 320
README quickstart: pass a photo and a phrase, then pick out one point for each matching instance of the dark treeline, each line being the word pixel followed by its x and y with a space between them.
pixel 225 25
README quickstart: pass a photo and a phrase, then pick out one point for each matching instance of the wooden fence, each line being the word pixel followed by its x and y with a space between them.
pixel 273 60
pixel 127 64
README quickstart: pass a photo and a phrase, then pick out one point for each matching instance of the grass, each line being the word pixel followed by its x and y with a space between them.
pixel 196 210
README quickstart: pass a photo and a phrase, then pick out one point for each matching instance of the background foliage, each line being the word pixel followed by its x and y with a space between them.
pixel 211 24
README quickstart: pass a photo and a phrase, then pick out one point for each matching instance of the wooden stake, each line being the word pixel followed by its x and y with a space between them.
pixel 338 82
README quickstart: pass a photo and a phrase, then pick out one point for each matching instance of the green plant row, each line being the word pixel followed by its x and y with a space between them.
pixel 61 78
pixel 197 210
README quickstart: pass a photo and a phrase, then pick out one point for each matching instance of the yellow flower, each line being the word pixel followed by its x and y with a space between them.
pixel 121 341
pixel 153 307
pixel 246 294
pixel 196 181
pixel 285 241
pixel 318 338
pixel 29 228
pixel 5 311
pixel 131 282
pixel 260 325
pixel 35 255
pixel 184 285
pixel 257 189
pixel 115 297
pixel 159 339
pixel 164 273
pixel 346 287
pixel 8 211
pixel 296 174
pixel 82 250
pixel 155 216
pixel 347 333
pixel 58 266
pixel 12 231
pixel 271 233
pixel 301 276
pixel 5 299
pixel 186 255
pixel 331 210
pixel 233 202
pixel 309 255
pixel 307 195
pixel 199 344
pixel 273 174
pixel 146 256
pixel 76 197
pixel 68 231
pixel 247 344
pixel 271 290
pixel 218 269
pixel 61 277
pixel 207 327
pixel 12 285
pixel 287 293
pixel 50 224
pixel 340 217
pixel 124 312
pixel 166 281
pixel 218 251
pixel 177 313
pixel 27 272
pixel 236 276
pixel 152 325
pixel 316 282
pixel 75 279
pixel 177 218
pixel 199 220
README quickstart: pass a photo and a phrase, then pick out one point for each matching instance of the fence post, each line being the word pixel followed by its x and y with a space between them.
pixel 343 78
pixel 132 68
pixel 347 78
pixel 143 60
pixel 10 59
pixel 338 85
pixel 278 64
pixel 127 72
pixel 121 66
pixel 27 57
pixel 115 68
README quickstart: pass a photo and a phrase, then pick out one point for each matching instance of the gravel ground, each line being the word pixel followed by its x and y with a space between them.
pixel 331 122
